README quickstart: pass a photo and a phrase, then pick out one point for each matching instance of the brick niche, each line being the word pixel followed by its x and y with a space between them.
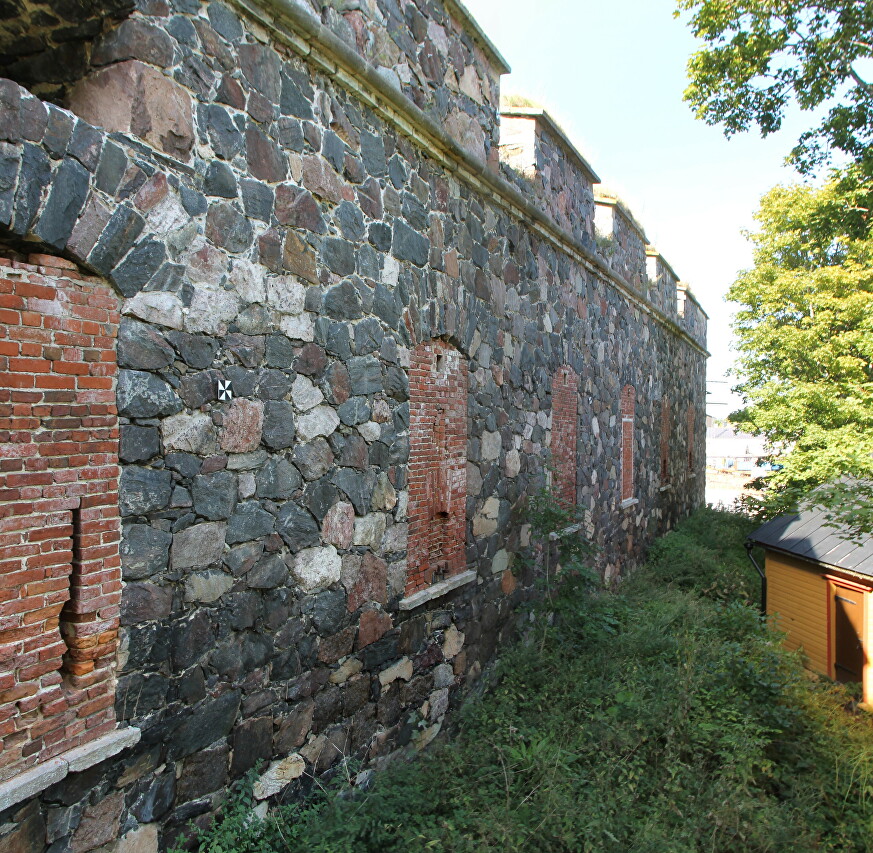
pixel 437 464
pixel 565 407
pixel 60 575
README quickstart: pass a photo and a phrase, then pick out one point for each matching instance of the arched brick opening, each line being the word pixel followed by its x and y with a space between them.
pixel 60 575
pixel 628 408
pixel 565 408
pixel 437 464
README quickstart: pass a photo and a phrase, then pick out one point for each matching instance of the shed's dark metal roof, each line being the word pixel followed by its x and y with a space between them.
pixel 807 534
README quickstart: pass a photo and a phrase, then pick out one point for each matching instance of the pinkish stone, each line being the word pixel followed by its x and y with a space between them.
pixel 131 97
pixel 373 626
pixel 243 422
pixel 155 189
pixel 339 525
pixel 99 824
pixel 371 583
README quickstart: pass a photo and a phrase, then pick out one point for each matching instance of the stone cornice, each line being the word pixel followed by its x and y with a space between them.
pixel 471 25
pixel 307 36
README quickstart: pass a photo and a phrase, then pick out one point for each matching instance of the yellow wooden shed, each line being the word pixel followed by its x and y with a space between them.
pixel 819 582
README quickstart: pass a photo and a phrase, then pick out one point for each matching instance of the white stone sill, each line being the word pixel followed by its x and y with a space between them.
pixel 35 780
pixel 437 590
pixel 629 502
pixel 667 487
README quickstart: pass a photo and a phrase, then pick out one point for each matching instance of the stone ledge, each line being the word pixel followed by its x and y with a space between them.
pixel 35 780
pixel 667 487
pixel 437 590
pixel 629 502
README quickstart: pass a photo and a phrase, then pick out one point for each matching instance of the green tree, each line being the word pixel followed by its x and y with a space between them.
pixel 760 55
pixel 805 342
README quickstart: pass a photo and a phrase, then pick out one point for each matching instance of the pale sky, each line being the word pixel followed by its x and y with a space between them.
pixel 612 75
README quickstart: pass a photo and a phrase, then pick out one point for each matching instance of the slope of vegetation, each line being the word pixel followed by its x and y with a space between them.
pixel 664 717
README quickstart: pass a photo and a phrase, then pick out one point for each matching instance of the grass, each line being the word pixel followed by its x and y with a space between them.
pixel 663 717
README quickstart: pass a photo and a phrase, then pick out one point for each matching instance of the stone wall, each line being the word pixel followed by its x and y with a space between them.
pixel 297 246
pixel 622 244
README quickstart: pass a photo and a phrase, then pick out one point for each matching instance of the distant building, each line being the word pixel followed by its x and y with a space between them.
pixel 728 449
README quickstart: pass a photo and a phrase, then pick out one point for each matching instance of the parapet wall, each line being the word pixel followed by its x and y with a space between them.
pixel 347 355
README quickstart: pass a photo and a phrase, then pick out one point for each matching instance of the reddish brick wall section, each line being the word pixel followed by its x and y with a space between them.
pixel 437 464
pixel 565 409
pixel 665 440
pixel 59 524
pixel 628 407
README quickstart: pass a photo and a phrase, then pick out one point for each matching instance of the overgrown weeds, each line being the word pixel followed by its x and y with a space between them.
pixel 663 717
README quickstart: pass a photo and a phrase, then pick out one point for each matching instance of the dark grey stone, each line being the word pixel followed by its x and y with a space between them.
pixel 227 227
pixel 268 573
pixel 144 551
pixel 313 459
pixel 220 180
pixel 196 351
pixel 293 101
pixel 195 389
pixel 194 202
pixel 209 722
pixel 319 497
pixel 338 341
pixel 67 196
pixel 243 382
pixel 86 145
pixel 297 527
pixel 409 245
pixel 355 410
pixel 181 29
pixel 144 395
pixel 120 233
pixel 143 490
pixel 358 487
pixel 34 118
pixel 138 444
pixel 291 134
pixel 170 277
pixel 249 522
pixel 397 383
pixel 397 172
pixel 373 154
pixel 351 221
pixel 10 102
pixel 279 351
pixel 58 131
pixel 365 374
pixel 368 336
pixel 145 602
pixel 36 173
pixel 252 742
pixel 273 385
pixel 277 479
pixel 379 234
pixel 414 212
pixel 260 65
pixel 385 305
pixel 141 264
pixel 214 495
pixel 343 302
pixel 327 610
pixel 224 21
pixel 141 346
pixel 185 463
pixel 110 171
pixel 224 136
pixel 334 150
pixel 9 164
pixel 279 430
pixel 257 199
pixel 339 255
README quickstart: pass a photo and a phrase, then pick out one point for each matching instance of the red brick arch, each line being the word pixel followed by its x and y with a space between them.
pixel 565 415
pixel 437 464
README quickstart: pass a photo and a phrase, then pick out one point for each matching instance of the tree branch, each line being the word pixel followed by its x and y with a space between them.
pixel 862 83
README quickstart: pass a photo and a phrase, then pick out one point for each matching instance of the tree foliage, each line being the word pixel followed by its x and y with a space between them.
pixel 760 55
pixel 805 339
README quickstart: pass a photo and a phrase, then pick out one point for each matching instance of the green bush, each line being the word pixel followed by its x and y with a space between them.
pixel 664 717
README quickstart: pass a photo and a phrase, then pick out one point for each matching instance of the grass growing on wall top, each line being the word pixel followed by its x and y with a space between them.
pixel 664 717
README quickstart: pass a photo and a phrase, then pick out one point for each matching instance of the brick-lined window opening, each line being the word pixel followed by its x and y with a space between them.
pixel 60 574
pixel 437 464
pixel 628 407
pixel 665 441
pixel 565 408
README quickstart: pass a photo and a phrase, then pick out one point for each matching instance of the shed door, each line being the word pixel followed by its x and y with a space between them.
pixel 847 625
